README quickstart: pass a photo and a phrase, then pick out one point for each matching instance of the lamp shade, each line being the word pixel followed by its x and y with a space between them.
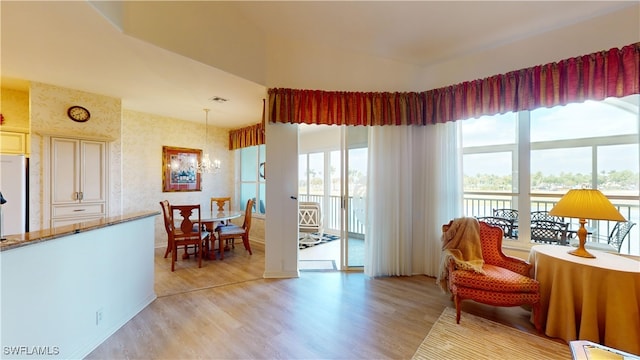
pixel 586 204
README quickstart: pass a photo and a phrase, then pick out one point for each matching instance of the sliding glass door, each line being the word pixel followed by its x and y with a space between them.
pixel 332 173
pixel 354 189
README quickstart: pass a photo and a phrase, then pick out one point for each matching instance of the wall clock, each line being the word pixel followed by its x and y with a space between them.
pixel 78 113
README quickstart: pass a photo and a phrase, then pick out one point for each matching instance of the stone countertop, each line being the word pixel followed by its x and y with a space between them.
pixel 34 237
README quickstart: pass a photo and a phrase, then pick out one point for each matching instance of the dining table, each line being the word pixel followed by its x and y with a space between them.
pixel 208 223
pixel 595 299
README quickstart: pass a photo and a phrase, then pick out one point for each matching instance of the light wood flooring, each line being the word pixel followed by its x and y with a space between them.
pixel 226 310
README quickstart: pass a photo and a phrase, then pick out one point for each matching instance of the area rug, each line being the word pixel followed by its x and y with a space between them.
pixel 325 239
pixel 478 338
pixel 317 265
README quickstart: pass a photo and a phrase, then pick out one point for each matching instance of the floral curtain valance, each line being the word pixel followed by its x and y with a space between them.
pixel 596 76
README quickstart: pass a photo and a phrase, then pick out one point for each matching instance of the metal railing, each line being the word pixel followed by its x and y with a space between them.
pixel 332 217
pixel 482 204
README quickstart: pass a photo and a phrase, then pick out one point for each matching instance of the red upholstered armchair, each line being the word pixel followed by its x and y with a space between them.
pixel 506 281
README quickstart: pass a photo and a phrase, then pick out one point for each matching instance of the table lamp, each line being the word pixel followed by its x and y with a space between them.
pixel 585 204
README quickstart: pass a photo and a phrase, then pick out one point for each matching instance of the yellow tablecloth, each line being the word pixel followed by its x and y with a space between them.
pixel 589 299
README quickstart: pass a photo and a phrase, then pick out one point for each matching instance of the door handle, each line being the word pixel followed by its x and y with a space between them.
pixel 293 198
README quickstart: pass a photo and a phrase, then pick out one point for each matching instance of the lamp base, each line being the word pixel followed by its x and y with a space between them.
pixel 582 252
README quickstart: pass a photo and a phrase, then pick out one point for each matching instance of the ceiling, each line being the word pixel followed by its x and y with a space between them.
pixel 171 57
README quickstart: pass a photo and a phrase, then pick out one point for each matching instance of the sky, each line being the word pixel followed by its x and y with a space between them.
pixel 589 119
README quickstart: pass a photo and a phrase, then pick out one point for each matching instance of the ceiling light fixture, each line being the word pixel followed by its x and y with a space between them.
pixel 206 165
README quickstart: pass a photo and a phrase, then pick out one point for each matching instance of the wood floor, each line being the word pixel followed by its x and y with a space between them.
pixel 226 310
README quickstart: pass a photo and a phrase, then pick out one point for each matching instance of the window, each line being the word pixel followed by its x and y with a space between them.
pixel 548 151
pixel 252 178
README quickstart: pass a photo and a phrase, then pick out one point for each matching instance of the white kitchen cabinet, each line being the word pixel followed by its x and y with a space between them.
pixel 78 180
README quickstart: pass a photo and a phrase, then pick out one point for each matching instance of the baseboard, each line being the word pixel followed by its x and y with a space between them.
pixel 281 274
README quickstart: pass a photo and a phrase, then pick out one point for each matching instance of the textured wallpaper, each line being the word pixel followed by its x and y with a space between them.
pixel 48 116
pixel 143 136
pixel 135 151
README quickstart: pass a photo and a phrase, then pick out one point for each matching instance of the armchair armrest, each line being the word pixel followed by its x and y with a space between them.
pixel 514 264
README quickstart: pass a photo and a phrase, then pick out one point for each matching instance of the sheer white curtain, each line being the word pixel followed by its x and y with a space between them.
pixel 414 186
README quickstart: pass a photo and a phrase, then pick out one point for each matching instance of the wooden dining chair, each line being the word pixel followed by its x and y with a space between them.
pixel 231 232
pixel 189 232
pixel 221 204
pixel 168 225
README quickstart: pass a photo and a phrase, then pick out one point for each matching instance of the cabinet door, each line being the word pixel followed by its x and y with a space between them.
pixel 93 171
pixel 13 143
pixel 65 179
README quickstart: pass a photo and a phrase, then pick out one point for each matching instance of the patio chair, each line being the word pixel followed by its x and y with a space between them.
pixel 505 224
pixel 619 233
pixel 506 280
pixel 511 214
pixel 544 215
pixel 310 222
pixel 550 232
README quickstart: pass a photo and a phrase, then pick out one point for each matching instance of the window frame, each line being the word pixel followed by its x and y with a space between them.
pixel 521 150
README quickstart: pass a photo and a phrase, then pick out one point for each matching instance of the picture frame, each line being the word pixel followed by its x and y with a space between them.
pixel 180 169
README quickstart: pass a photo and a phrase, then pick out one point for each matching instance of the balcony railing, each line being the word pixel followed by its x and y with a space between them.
pixel 482 204
pixel 332 217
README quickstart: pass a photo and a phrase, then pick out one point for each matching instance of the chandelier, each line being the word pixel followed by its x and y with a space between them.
pixel 206 165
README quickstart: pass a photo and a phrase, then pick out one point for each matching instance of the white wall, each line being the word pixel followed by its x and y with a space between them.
pixel 52 290
pixel 281 228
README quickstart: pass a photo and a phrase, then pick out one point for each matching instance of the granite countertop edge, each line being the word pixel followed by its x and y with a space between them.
pixel 35 237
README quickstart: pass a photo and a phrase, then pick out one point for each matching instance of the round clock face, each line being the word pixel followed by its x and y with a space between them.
pixel 78 113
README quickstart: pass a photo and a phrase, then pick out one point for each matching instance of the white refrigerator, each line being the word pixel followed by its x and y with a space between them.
pixel 13 186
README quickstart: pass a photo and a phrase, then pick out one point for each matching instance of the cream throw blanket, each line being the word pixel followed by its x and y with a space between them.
pixel 461 242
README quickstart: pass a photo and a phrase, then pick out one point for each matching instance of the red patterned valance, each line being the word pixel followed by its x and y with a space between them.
pixel 612 73
pixel 248 136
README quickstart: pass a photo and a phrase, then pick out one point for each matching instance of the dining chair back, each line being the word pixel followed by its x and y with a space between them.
pixel 189 232
pixel 168 225
pixel 620 231
pixel 230 232
pixel 221 204
pixel 551 232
